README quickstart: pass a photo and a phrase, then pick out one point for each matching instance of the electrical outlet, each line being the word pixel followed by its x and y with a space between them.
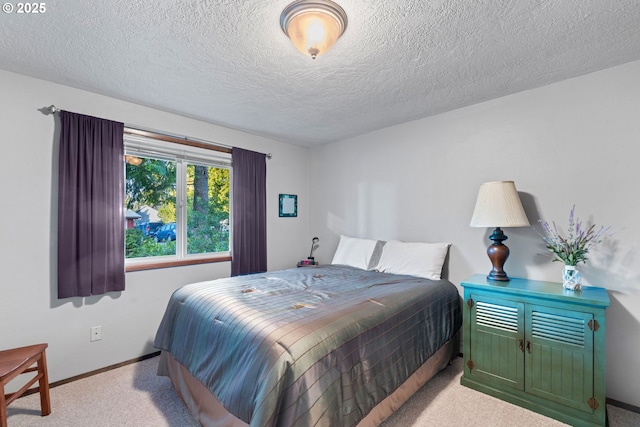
pixel 96 333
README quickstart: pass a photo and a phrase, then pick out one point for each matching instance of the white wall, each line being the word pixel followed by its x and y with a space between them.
pixel 29 309
pixel 574 142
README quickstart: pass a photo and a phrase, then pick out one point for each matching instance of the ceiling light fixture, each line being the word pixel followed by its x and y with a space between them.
pixel 313 26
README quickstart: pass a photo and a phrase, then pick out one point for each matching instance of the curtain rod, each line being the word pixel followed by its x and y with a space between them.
pixel 136 130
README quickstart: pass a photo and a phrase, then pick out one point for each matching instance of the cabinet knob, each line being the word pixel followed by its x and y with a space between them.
pixel 528 346
pixel 521 344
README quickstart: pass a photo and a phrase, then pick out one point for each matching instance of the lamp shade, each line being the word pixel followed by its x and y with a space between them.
pixel 498 205
pixel 313 26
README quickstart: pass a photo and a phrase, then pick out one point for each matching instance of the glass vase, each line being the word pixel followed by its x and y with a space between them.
pixel 571 278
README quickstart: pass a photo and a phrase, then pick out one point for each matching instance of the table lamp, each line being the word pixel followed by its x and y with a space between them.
pixel 313 247
pixel 498 205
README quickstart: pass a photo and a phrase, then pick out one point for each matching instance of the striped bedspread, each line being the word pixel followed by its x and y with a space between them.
pixel 307 346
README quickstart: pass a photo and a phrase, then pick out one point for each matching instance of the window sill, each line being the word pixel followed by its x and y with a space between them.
pixel 179 263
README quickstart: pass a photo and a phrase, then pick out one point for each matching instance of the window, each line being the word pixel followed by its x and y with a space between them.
pixel 177 202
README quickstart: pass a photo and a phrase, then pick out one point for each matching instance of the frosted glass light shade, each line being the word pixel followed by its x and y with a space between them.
pixel 498 205
pixel 313 26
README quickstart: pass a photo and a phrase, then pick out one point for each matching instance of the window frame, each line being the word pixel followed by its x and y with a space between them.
pixel 184 152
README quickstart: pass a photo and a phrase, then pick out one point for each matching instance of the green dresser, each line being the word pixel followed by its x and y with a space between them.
pixel 538 346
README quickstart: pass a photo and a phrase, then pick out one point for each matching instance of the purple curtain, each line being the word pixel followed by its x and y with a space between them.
pixel 90 206
pixel 249 216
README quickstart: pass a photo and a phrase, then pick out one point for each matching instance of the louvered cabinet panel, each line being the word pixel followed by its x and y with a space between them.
pixel 497 326
pixel 536 345
pixel 559 360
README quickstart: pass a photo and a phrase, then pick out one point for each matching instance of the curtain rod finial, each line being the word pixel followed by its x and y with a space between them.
pixel 52 109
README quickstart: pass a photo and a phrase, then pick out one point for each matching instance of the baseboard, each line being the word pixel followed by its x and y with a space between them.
pixel 96 372
pixel 623 405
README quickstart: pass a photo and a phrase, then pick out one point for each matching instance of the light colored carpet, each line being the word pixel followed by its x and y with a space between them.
pixel 134 395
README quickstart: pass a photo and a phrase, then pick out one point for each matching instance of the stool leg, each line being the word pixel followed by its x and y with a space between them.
pixel 3 407
pixel 45 401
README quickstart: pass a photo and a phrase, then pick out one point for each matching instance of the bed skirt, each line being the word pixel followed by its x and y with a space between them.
pixel 210 413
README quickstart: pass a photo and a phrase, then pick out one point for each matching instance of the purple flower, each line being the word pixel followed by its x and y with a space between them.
pixel 573 249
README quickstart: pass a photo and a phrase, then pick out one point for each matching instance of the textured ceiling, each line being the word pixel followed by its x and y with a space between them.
pixel 228 62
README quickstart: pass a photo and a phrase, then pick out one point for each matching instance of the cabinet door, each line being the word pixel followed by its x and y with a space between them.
pixel 496 355
pixel 559 356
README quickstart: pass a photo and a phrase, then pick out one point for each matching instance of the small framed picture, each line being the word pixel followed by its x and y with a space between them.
pixel 288 206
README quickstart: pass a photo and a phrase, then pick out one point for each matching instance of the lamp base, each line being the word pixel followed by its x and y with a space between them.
pixel 498 276
pixel 498 254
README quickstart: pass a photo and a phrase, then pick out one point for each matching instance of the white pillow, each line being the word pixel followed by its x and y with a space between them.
pixel 413 258
pixel 354 252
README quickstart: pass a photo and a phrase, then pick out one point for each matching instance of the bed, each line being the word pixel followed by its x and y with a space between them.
pixel 332 345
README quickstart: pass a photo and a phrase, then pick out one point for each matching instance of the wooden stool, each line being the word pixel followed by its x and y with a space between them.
pixel 19 361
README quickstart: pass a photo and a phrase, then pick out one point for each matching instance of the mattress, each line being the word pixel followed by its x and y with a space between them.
pixel 307 346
